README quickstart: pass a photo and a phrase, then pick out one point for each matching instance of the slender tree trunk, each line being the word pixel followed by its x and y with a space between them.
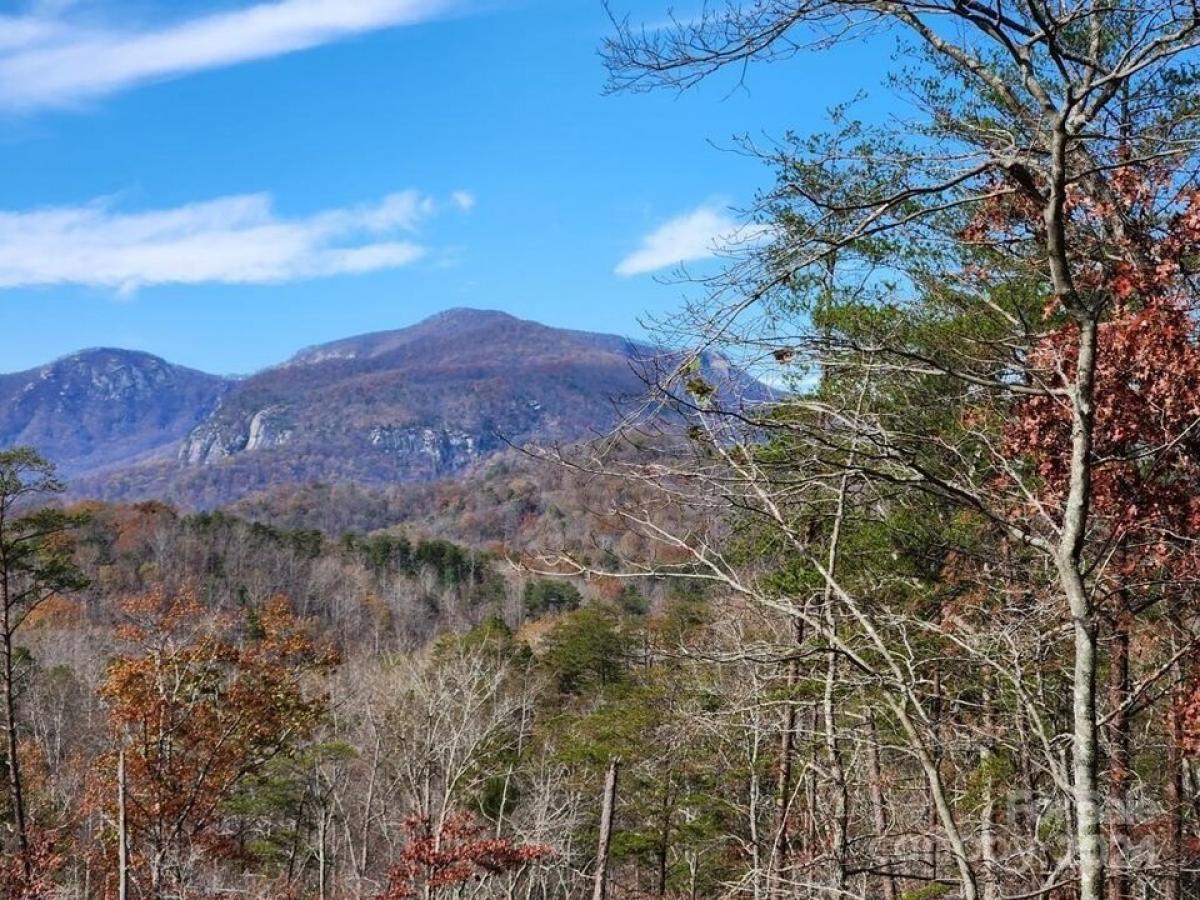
pixel 837 773
pixel 1085 788
pixel 942 806
pixel 879 816
pixel 1174 792
pixel 16 798
pixel 15 793
pixel 1075 517
pixel 600 879
pixel 321 888
pixel 787 754
pixel 756 850
pixel 368 807
pixel 664 840
pixel 122 831
pixel 1117 885
pixel 1173 846
pixel 987 825
pixel 935 714
pixel 811 837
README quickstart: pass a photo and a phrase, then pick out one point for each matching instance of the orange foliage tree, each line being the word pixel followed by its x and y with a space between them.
pixel 198 704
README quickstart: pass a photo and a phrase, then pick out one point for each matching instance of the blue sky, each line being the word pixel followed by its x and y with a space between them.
pixel 222 183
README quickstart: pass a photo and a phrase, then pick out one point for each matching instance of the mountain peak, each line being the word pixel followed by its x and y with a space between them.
pixel 103 355
pixel 447 323
pixel 104 405
pixel 96 361
pixel 468 315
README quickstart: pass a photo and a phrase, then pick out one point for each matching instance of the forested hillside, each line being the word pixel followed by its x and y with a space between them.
pixel 517 503
pixel 287 710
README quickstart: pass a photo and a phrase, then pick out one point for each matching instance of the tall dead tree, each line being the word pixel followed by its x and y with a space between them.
pixel 600 878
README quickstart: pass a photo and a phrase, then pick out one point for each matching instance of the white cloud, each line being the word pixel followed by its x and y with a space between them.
pixel 703 233
pixel 232 240
pixel 464 200
pixel 47 61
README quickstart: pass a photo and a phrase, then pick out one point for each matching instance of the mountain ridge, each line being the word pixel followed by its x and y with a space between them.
pixel 406 405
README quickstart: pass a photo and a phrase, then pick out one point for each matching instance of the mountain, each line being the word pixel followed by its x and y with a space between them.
pixel 421 402
pixel 395 407
pixel 101 408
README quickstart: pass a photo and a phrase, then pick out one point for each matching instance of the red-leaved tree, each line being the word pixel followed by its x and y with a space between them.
pixel 441 862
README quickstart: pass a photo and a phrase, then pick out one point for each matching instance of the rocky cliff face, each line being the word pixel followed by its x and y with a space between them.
pixel 214 441
pixel 105 407
pixel 443 449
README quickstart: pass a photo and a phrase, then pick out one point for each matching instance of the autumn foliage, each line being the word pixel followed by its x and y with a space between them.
pixel 1146 444
pixel 200 702
pixel 1145 481
pixel 48 851
pixel 447 857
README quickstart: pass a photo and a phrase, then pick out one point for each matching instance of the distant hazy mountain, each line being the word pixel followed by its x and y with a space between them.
pixel 411 405
pixel 101 408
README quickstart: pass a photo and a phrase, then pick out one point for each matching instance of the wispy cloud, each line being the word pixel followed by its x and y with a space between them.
pixel 703 233
pixel 232 240
pixel 464 200
pixel 46 60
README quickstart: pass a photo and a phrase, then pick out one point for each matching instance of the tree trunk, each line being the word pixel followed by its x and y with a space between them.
pixel 879 816
pixel 1174 796
pixel 811 836
pixel 664 841
pixel 935 714
pixel 1117 885
pixel 1069 561
pixel 1085 788
pixel 122 832
pixel 600 879
pixel 837 772
pixel 1173 846
pixel 15 792
pixel 987 825
pixel 787 753
pixel 321 888
pixel 1075 517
